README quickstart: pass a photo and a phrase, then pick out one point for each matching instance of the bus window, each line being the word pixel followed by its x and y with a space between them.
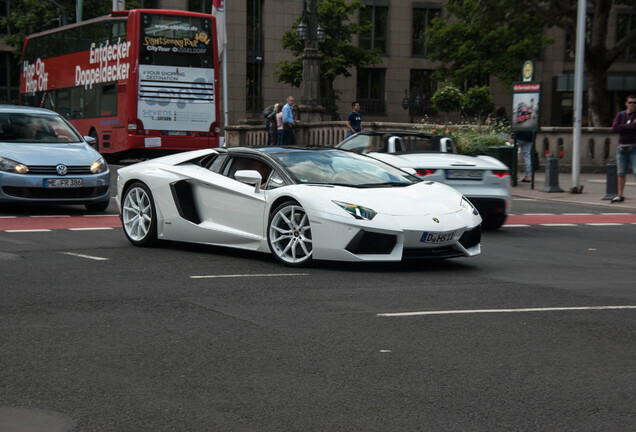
pixel 102 33
pixel 63 97
pixel 90 102
pixel 86 37
pixel 77 102
pixel 70 40
pixel 108 105
pixel 118 32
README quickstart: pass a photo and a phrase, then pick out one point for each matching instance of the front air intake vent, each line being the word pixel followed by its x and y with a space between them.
pixel 365 243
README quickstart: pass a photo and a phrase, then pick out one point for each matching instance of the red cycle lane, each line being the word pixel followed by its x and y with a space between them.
pixel 575 219
pixel 58 222
pixel 113 221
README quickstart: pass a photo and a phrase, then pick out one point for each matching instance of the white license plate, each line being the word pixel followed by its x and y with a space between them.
pixel 431 237
pixel 462 174
pixel 63 183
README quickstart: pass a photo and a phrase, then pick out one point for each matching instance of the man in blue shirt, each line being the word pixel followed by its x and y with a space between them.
pixel 354 119
pixel 288 123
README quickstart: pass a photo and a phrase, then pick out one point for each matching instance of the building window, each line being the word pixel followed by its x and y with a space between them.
pixel 378 15
pixel 204 6
pixel 423 85
pixel 422 17
pixel 370 91
pixel 625 23
pixel 255 54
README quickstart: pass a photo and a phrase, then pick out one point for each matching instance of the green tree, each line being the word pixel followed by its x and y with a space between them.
pixel 484 37
pixel 478 102
pixel 337 54
pixel 33 16
pixel 448 99
pixel 477 38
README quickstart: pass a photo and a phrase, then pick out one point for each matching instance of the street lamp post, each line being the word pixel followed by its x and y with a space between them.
pixel 412 102
pixel 312 34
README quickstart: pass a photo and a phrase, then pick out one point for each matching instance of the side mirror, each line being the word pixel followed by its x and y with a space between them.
pixel 90 140
pixel 251 177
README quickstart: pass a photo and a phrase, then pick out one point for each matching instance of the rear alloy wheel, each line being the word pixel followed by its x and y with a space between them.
pixel 289 235
pixel 138 215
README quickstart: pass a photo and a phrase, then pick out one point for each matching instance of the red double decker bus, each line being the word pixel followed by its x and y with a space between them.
pixel 140 82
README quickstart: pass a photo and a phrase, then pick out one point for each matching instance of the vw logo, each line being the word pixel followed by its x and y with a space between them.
pixel 61 169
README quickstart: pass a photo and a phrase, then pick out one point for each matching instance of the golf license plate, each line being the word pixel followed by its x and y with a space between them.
pixel 464 174
pixel 63 183
pixel 432 237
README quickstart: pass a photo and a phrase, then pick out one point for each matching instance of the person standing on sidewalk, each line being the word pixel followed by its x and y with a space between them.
pixel 625 125
pixel 354 120
pixel 524 140
pixel 288 122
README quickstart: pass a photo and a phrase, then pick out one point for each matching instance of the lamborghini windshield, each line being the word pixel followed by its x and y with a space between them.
pixel 337 167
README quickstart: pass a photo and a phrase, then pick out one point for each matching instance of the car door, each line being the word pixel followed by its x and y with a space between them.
pixel 234 210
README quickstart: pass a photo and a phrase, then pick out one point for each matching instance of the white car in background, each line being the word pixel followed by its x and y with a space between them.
pixel 484 180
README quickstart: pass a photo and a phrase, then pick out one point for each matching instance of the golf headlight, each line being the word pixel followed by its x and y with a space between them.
pixel 9 165
pixel 357 211
pixel 468 206
pixel 99 166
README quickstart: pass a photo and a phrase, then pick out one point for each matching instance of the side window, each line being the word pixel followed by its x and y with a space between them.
pixel 357 144
pixel 245 163
pixel 275 181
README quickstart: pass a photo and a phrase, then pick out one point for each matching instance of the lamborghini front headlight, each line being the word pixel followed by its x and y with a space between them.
pixel 357 211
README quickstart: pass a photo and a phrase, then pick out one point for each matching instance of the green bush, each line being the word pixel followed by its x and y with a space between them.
pixel 470 140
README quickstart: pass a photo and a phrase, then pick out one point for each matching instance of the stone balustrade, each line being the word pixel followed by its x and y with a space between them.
pixel 598 145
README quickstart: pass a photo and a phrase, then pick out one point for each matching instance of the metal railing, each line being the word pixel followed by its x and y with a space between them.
pixel 598 145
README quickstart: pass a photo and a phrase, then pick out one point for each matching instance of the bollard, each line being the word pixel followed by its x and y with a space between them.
pixel 551 175
pixel 611 182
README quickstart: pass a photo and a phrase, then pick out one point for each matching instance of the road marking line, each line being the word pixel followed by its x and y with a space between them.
pixel 8 217
pixel 515 225
pixel 616 214
pixel 248 275
pixel 27 230
pixel 48 216
pixel 558 225
pixel 579 214
pixel 476 311
pixel 90 229
pixel 604 224
pixel 85 256
pixel 539 214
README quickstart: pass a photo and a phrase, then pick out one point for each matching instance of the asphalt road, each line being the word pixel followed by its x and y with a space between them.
pixel 536 334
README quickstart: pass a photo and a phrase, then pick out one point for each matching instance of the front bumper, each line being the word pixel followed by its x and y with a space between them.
pixel 29 189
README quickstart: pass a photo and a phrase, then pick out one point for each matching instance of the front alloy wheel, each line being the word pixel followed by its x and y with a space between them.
pixel 138 215
pixel 289 235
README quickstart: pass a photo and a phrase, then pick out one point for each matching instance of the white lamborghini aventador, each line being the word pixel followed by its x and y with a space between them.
pixel 297 203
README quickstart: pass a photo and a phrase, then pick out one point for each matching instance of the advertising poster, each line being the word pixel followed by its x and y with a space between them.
pixel 526 100
pixel 176 99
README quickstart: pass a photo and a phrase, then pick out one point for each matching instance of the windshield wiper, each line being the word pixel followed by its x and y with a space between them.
pixel 385 184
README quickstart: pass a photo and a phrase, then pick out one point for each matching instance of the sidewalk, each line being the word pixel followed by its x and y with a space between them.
pixel 594 190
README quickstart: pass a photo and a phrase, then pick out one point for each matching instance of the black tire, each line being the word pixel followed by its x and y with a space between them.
pixel 98 206
pixel 138 215
pixel 494 221
pixel 289 235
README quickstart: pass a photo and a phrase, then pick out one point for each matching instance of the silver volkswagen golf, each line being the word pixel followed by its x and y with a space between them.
pixel 44 160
